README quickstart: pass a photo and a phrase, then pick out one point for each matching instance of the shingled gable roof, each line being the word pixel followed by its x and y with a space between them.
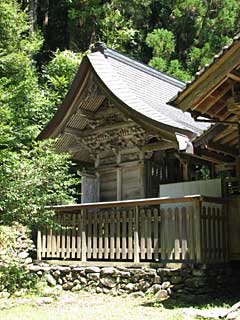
pixel 141 89
pixel 192 84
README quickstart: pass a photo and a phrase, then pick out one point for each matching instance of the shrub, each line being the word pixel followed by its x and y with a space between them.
pixel 14 247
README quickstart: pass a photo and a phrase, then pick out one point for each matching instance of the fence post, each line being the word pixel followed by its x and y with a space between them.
pixel 84 240
pixel 136 236
pixel 225 221
pixel 39 245
pixel 197 220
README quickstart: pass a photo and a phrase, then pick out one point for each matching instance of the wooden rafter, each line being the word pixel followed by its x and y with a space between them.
pixel 222 134
pixel 224 114
pixel 209 135
pixel 233 142
pixel 234 76
pixel 229 137
pixel 215 98
pixel 222 149
pixel 217 109
pixel 161 145
pixel 210 92
pixel 212 156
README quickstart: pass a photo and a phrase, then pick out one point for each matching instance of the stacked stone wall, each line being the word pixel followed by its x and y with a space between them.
pixel 170 281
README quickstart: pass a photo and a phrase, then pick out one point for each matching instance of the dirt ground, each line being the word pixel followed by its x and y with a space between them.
pixel 91 306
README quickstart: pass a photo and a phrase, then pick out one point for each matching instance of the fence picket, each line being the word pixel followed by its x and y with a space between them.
pixel 149 239
pixel 163 234
pixel 118 236
pixel 112 238
pixel 177 241
pixel 106 236
pixel 124 235
pixel 94 240
pixel 130 234
pixel 156 235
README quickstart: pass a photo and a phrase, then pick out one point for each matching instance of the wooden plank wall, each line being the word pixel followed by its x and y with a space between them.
pixel 167 233
pixel 108 185
pixel 234 227
pixel 214 232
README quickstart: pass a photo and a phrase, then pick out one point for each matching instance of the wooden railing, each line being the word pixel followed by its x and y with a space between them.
pixel 189 229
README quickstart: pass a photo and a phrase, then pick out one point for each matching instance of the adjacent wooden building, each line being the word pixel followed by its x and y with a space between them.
pixel 214 97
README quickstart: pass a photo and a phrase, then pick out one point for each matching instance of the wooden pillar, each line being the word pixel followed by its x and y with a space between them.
pixel 238 157
pixel 238 166
pixel 119 184
pixel 142 179
pixel 119 177
pixel 185 169
pixel 98 186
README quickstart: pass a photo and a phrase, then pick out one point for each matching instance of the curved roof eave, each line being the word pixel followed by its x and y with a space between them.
pixel 112 90
pixel 54 126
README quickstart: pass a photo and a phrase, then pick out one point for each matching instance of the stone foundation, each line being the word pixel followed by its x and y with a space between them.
pixel 171 281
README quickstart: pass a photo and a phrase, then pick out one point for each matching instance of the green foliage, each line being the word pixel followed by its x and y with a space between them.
pixel 14 277
pixel 123 32
pixel 187 32
pixel 58 75
pixel 14 30
pixel 22 102
pixel 32 175
pixel 196 30
pixel 13 272
pixel 162 42
pixel 31 180
pixel 202 173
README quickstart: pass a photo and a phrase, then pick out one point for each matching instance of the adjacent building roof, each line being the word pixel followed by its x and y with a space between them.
pixel 214 94
pixel 199 76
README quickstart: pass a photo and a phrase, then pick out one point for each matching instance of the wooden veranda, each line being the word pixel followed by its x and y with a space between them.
pixel 189 229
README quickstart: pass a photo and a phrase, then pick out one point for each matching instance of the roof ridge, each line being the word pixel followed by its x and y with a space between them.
pixel 143 67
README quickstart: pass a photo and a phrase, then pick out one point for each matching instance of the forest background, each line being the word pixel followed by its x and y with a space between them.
pixel 41 45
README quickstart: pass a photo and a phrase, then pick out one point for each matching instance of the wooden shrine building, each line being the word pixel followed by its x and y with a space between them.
pixel 116 123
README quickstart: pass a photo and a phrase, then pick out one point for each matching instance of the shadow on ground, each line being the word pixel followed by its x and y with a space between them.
pixel 196 301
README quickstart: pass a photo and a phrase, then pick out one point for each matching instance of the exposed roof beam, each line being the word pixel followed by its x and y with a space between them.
pixel 209 135
pixel 210 92
pixel 160 145
pixel 212 156
pixel 207 106
pixel 229 137
pixel 222 148
pixel 234 76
